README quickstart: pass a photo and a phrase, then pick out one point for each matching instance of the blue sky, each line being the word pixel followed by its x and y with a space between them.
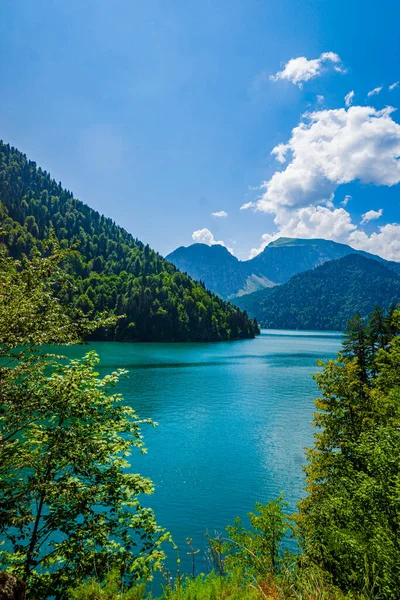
pixel 159 114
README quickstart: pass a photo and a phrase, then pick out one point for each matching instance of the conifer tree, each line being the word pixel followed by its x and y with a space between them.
pixel 350 521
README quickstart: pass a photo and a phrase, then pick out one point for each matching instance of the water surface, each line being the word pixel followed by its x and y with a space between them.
pixel 234 418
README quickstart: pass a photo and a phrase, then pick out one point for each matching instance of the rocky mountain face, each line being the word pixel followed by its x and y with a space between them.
pixel 220 271
pixel 229 277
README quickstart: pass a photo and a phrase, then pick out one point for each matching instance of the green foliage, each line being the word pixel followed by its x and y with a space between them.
pixel 213 587
pixel 111 589
pixel 68 508
pixel 325 298
pixel 349 523
pixel 257 550
pixel 113 272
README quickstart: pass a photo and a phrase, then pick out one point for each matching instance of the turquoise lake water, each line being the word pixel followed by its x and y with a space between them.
pixel 234 418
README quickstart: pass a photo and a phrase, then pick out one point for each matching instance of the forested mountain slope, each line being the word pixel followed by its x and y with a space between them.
pixel 326 297
pixel 113 271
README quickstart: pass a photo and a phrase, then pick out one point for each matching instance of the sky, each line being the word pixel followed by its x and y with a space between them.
pixel 232 122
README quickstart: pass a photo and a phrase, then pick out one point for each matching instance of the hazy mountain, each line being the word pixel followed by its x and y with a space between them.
pixel 285 257
pixel 221 272
pixel 227 276
pixel 326 297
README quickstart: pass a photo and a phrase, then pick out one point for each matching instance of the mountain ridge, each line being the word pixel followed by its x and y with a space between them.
pixel 276 264
pixel 222 272
pixel 326 297
pixel 113 271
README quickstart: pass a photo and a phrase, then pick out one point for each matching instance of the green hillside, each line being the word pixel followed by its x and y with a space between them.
pixel 326 297
pixel 113 271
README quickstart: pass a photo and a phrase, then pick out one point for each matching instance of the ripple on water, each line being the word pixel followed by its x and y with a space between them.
pixel 234 420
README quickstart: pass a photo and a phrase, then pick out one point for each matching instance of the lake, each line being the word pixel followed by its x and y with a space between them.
pixel 234 418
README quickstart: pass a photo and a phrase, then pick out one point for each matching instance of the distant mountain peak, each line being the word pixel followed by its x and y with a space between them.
pixel 288 241
pixel 281 260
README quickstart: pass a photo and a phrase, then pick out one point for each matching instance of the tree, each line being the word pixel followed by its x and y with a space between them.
pixel 68 508
pixel 257 550
pixel 355 344
pixel 349 523
pixel 32 205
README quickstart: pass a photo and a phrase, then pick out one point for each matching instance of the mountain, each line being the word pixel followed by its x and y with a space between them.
pixel 221 272
pixel 326 297
pixel 113 271
pixel 227 276
pixel 286 257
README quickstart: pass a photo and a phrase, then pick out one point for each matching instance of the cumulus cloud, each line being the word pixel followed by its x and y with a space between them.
pixel 346 199
pixel 220 213
pixel 280 152
pixel 394 85
pixel 371 215
pixel 300 69
pixel 312 222
pixel 349 98
pixel 374 92
pixel 329 148
pixel 247 205
pixel 385 242
pixel 266 238
pixel 204 236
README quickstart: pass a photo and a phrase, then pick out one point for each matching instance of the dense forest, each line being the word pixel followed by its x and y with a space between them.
pixel 326 297
pixel 111 271
pixel 71 515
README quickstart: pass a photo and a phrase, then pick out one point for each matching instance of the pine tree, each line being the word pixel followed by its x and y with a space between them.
pixel 355 344
pixel 349 523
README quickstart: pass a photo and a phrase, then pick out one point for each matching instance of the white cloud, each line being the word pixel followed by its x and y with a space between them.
pixel 220 213
pixel 247 205
pixel 346 199
pixel 321 222
pixel 280 152
pixel 266 238
pixel 385 243
pixel 204 236
pixel 349 98
pixel 374 92
pixel 320 99
pixel 329 148
pixel 300 69
pixel 394 85
pixel 312 222
pixel 371 215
